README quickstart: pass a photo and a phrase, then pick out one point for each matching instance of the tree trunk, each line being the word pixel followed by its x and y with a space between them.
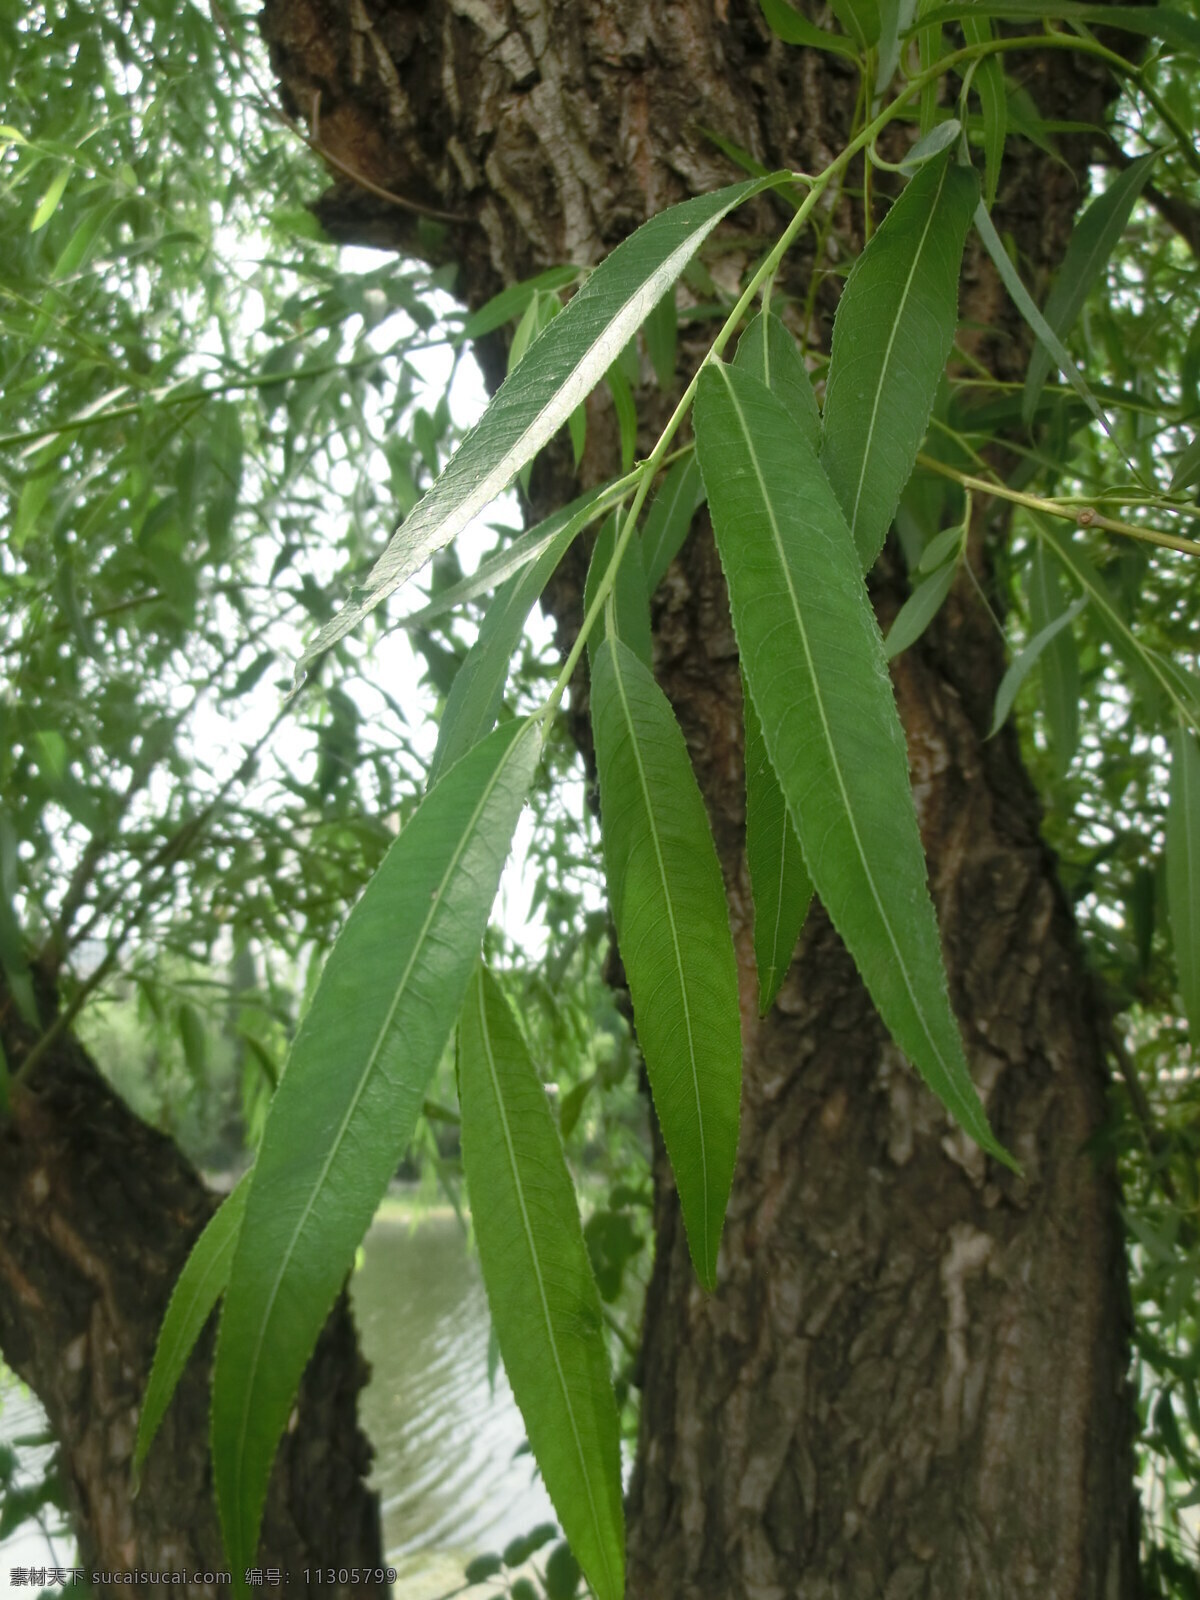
pixel 97 1215
pixel 911 1379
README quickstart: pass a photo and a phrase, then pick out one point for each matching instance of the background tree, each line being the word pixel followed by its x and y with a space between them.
pixel 780 1433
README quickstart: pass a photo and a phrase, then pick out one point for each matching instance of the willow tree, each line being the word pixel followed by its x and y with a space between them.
pixel 886 1338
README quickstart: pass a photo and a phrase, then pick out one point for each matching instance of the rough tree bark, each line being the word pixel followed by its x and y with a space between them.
pixel 97 1214
pixel 911 1380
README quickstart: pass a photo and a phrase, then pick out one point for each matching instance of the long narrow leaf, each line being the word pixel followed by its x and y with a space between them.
pixel 668 903
pixel 1023 664
pixel 199 1286
pixel 669 518
pixel 1059 660
pixel 630 597
pixel 891 336
pixel 475 697
pixel 919 610
pixel 1092 243
pixel 560 368
pixel 1025 304
pixel 1183 871
pixel 813 658
pixel 348 1101
pixel 1177 28
pixel 515 557
pixel 779 880
pixel 768 350
pixel 544 1303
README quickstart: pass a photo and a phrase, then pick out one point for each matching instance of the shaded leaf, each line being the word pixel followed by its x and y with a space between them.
pixel 1183 871
pixel 1092 243
pixel 814 663
pixel 919 610
pixel 891 336
pixel 543 1299
pixel 1187 468
pixel 669 518
pixel 1155 22
pixel 668 902
pixel 768 350
pixel 348 1101
pixel 631 604
pixel 561 367
pixel 786 23
pixel 779 880
pixel 198 1288
pixel 1022 664
pixel 477 691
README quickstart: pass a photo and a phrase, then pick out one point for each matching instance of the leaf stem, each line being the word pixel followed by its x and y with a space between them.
pixel 1083 516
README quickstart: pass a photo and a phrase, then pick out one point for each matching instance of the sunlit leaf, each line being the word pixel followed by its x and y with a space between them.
pixel 562 366
pixel 1092 244
pixel 348 1101
pixel 1183 871
pixel 779 879
pixel 668 902
pixel 198 1288
pixel 891 336
pixel 49 202
pixel 543 1299
pixel 813 658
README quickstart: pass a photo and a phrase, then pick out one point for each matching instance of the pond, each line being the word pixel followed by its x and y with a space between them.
pixel 445 1442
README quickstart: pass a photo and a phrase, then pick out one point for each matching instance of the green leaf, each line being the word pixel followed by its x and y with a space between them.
pixel 348 1101
pixel 779 880
pixel 1187 468
pixel 48 204
pixel 511 302
pixel 562 366
pixel 1021 666
pixel 194 1040
pixel 198 1288
pixel 12 944
pixel 661 335
pixel 631 602
pixel 1024 303
pixel 988 81
pixel 814 663
pixel 669 518
pixel 1155 22
pixel 891 336
pixel 787 24
pixel 477 691
pixel 1092 243
pixel 1060 660
pixel 514 557
pixel 1183 871
pixel 860 18
pixel 919 610
pixel 543 1299
pixel 768 350
pixel 668 902
pixel 626 410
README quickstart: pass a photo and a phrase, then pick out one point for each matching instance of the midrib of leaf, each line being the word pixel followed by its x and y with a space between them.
pixel 887 354
pixel 1094 593
pixel 335 1146
pixel 601 1542
pixel 968 1114
pixel 662 874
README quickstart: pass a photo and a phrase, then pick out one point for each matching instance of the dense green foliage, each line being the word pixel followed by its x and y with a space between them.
pixel 208 426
